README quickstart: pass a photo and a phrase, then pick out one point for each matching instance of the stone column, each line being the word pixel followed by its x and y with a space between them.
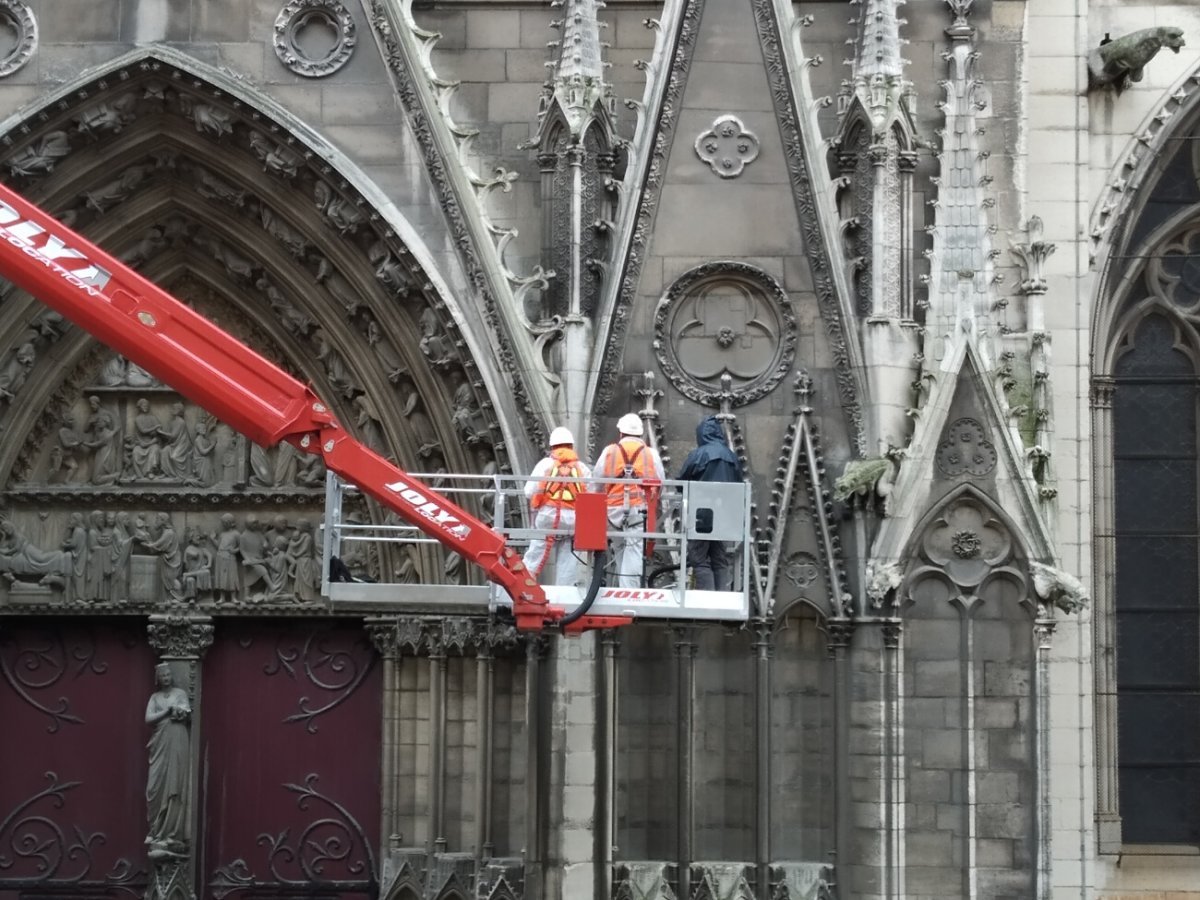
pixel 180 642
pixel 685 656
pixel 764 649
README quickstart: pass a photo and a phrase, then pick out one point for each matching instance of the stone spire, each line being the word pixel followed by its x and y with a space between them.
pixel 577 83
pixel 877 79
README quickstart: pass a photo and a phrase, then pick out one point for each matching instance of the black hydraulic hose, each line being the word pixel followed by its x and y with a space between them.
pixel 599 558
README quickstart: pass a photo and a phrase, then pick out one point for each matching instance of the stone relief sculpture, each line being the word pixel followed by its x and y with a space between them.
pixel 204 462
pixel 1120 62
pixel 162 541
pixel 252 549
pixel 103 437
pixel 107 118
pixel 116 191
pixel 342 214
pixel 168 782
pixel 275 158
pixel 21 561
pixel 225 561
pixel 433 342
pixel 41 156
pixel 98 564
pixel 197 576
pixel 304 567
pixel 143 448
pixel 16 371
pixel 176 453
pixel 75 546
pixel 467 415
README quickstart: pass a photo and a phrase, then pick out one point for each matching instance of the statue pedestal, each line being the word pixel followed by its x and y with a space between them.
pixel 170 879
pixel 22 593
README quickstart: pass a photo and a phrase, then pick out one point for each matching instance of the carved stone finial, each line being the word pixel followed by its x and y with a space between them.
pixel 1031 256
pixel 1120 62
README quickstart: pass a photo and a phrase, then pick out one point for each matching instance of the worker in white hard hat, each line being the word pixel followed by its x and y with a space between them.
pixel 552 488
pixel 632 460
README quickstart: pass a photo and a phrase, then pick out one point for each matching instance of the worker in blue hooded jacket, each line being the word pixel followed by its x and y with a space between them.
pixel 712 460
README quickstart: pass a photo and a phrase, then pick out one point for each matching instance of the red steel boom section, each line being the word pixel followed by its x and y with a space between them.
pixel 243 389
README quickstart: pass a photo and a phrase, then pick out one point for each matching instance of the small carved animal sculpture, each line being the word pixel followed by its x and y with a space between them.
pixel 1120 62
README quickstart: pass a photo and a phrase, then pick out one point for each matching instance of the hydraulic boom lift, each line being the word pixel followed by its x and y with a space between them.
pixel 211 368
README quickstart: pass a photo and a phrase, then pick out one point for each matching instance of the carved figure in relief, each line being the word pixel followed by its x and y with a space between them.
pixel 235 264
pixel 18 557
pixel 348 298
pixel 168 782
pixel 175 456
pixel 113 373
pixel 279 527
pixel 42 156
pixel 116 191
pixel 384 349
pixel 208 119
pixel 310 470
pixel 75 545
pixel 433 344
pixel 71 446
pixel 335 366
pixel 107 118
pixel 149 246
pixel 99 565
pixel 1120 62
pixel 204 462
pixel 366 418
pixel 304 567
pixel 197 566
pixel 343 215
pixel 293 320
pixel 210 187
pixel 467 415
pixel 389 272
pixel 274 157
pixel 279 229
pixel 122 550
pixel 252 548
pixel 163 541
pixel 16 371
pixel 103 438
pixel 226 583
pixel 144 447
pixel 277 565
pixel 136 376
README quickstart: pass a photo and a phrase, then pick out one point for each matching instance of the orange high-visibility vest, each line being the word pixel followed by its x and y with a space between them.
pixel 625 459
pixel 565 486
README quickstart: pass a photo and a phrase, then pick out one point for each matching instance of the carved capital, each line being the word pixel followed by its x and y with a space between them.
pixel 839 632
pixel 1102 390
pixel 180 637
pixel 397 637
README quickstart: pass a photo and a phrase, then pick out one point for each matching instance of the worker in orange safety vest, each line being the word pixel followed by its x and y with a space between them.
pixel 633 459
pixel 552 488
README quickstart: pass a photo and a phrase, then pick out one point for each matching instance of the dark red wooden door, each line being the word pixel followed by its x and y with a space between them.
pixel 291 762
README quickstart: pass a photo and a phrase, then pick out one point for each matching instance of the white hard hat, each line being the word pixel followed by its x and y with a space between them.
pixel 562 436
pixel 630 423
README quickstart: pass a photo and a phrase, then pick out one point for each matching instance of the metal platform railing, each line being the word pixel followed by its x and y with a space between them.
pixel 364 552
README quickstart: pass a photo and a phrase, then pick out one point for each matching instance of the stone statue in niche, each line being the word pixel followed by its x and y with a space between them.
pixel 16 371
pixel 367 421
pixel 144 455
pixel 197 576
pixel 341 291
pixel 389 358
pixel 335 366
pixel 168 782
pixel 116 191
pixel 210 187
pixel 41 156
pixel 275 226
pixel 107 118
pixel 238 267
pixel 22 561
pixel 208 119
pixel 162 540
pixel 1118 63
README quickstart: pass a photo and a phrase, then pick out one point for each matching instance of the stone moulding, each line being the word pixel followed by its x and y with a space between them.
pixel 17 18
pixel 301 14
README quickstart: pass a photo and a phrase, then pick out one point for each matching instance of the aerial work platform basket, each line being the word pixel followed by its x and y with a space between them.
pixel 686 512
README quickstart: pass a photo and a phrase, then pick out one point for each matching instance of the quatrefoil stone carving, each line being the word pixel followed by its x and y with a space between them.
pixel 727 146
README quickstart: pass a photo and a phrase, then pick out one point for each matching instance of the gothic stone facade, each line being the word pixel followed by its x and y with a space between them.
pixel 944 297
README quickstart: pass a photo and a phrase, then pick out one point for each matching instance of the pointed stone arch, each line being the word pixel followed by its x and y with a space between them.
pixel 217 194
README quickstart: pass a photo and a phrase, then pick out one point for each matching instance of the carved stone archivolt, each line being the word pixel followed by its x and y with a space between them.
pixel 117 491
pixel 314 38
pixel 18 21
pixel 725 320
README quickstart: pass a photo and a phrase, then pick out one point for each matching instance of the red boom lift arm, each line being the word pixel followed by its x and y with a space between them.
pixel 213 369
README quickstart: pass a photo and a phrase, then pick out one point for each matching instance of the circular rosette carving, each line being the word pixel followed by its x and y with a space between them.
pixel 727 146
pixel 314 38
pixel 725 329
pixel 18 36
pixel 967 542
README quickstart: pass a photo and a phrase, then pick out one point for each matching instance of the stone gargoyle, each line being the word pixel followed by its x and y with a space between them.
pixel 1058 587
pixel 1119 62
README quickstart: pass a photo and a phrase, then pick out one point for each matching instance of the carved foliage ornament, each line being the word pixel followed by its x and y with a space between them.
pixel 18 22
pixel 725 319
pixel 314 38
pixel 728 147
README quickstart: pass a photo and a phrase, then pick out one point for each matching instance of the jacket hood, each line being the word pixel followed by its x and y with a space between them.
pixel 709 431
